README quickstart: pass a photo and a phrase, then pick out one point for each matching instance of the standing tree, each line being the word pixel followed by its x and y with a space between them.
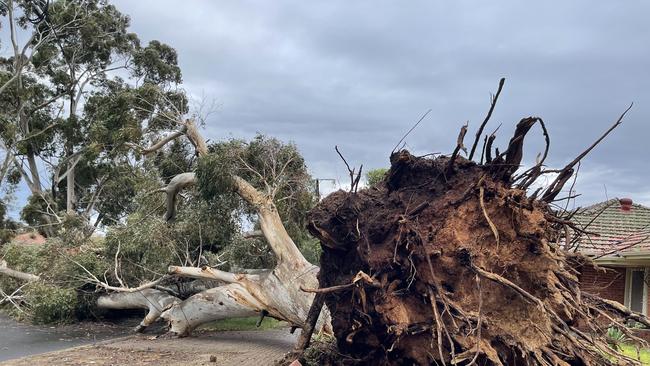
pixel 67 109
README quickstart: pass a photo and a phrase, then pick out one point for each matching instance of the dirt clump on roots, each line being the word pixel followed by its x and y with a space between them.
pixel 449 261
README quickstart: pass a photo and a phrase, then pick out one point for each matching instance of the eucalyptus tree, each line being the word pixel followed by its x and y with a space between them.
pixel 270 181
pixel 75 96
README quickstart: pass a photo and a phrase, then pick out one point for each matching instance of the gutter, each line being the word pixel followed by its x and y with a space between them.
pixel 623 258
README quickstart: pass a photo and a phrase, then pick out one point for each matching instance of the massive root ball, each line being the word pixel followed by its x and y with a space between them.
pixel 444 262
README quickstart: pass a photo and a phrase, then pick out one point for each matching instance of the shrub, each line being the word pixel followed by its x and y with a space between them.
pixel 616 338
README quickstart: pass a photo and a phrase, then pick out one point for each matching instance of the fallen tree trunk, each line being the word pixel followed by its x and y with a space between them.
pixel 461 268
pixel 155 301
pixel 276 292
pixel 280 297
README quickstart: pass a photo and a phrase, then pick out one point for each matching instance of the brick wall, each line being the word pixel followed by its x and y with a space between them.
pixel 609 284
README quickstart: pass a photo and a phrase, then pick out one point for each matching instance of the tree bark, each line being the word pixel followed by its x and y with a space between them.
pixel 155 301
pixel 276 291
pixel 17 274
pixel 70 177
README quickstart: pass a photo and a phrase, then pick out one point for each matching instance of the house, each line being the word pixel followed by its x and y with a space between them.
pixel 622 247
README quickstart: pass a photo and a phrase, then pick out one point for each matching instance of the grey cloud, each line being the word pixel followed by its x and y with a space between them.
pixel 358 74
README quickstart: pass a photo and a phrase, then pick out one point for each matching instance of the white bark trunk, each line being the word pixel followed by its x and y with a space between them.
pixel 210 305
pixel 175 185
pixel 209 273
pixel 282 300
pixel 155 301
pixel 17 274
pixel 275 291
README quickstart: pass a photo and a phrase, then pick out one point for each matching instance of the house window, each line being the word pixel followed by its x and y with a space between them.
pixel 636 290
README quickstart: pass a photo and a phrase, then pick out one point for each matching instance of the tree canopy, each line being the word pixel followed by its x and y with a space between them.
pixel 76 97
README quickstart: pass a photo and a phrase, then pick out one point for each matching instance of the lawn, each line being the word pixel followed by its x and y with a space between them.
pixel 243 324
pixel 631 351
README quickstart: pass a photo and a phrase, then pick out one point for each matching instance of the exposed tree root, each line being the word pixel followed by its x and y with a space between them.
pixel 463 265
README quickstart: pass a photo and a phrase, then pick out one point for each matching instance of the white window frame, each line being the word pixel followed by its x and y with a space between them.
pixel 628 287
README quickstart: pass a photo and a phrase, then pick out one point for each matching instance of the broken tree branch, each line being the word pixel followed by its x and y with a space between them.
pixel 354 179
pixel 162 142
pixel 5 270
pixel 210 273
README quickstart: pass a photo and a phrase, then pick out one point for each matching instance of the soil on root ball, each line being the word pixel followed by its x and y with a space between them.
pixel 448 264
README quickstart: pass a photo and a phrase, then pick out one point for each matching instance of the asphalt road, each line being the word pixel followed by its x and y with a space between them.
pixel 27 345
pixel 19 340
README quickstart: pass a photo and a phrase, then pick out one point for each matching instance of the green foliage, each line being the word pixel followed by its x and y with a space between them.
pixel 641 354
pixel 147 244
pixel 73 71
pixel 238 324
pixel 215 171
pixel 50 304
pixel 157 64
pixel 616 337
pixel 175 159
pixel 243 253
pixel 34 211
pixel 7 226
pixel 26 258
pixel 276 169
pixel 59 296
pixel 374 176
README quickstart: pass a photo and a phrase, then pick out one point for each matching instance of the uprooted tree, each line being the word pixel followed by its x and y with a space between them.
pixel 69 64
pixel 450 261
pixel 445 260
pixel 269 178
pixel 275 292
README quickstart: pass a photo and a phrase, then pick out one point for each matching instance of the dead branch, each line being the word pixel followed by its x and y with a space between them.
pixel 310 323
pixel 487 117
pixel 534 172
pixel 14 299
pixel 354 179
pixel 409 131
pixel 92 279
pixel 514 153
pixel 565 173
pixel 459 147
pixel 359 278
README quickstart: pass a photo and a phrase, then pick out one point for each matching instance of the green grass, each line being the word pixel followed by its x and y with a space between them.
pixel 243 324
pixel 631 352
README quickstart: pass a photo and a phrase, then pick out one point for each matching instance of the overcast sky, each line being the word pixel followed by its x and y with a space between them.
pixel 360 73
